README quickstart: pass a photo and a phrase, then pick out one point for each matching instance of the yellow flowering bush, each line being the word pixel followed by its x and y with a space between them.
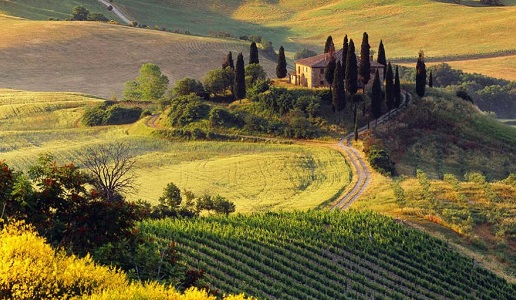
pixel 31 269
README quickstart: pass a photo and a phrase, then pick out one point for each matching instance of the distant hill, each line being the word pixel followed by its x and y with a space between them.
pixel 97 58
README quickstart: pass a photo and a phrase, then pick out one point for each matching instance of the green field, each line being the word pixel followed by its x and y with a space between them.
pixel 256 176
pixel 323 255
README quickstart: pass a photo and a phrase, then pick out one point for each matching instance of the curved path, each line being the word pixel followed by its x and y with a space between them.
pixel 117 11
pixel 362 168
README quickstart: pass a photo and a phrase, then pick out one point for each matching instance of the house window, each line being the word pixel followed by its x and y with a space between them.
pixel 298 70
pixel 322 71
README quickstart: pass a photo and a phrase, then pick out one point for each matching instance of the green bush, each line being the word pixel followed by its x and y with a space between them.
pixel 109 113
pixel 221 117
pixel 187 109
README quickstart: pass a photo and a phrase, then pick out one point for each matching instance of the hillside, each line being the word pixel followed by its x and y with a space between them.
pixel 441 133
pixel 323 255
pixel 98 59
pixel 440 28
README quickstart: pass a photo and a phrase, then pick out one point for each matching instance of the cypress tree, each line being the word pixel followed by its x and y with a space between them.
pixel 381 59
pixel 397 89
pixel 329 44
pixel 345 47
pixel 229 61
pixel 338 94
pixel 376 97
pixel 420 75
pixel 239 78
pixel 430 80
pixel 253 54
pixel 329 71
pixel 389 88
pixel 281 68
pixel 351 69
pixel 364 72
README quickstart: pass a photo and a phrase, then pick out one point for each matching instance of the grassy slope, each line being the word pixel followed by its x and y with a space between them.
pixel 323 255
pixel 440 28
pixel 98 59
pixel 44 9
pixel 255 176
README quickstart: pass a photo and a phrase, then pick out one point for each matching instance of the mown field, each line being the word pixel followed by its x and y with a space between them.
pixel 326 255
pixel 98 59
pixel 256 176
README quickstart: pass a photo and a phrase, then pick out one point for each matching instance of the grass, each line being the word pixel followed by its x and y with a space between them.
pixel 42 10
pixel 256 176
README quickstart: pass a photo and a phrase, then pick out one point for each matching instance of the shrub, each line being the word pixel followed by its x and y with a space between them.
pixel 221 117
pixel 187 109
pixel 377 155
pixel 304 54
pixel 109 113
pixel 97 17
pixel 188 86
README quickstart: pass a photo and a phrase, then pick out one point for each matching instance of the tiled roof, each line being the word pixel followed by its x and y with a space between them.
pixel 321 60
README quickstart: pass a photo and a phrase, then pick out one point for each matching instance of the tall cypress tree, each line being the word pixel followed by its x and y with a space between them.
pixel 351 69
pixel 389 88
pixel 397 89
pixel 376 97
pixel 329 71
pixel 239 78
pixel 281 68
pixel 430 80
pixel 229 61
pixel 329 44
pixel 364 72
pixel 345 47
pixel 253 54
pixel 420 75
pixel 381 59
pixel 338 94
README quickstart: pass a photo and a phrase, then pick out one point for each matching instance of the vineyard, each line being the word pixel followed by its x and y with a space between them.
pixel 326 255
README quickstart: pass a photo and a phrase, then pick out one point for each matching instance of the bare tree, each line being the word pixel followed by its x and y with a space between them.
pixel 111 169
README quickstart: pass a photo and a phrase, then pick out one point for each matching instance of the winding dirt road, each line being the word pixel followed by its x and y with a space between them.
pixel 116 11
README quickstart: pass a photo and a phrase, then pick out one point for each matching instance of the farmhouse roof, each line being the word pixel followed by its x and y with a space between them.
pixel 321 60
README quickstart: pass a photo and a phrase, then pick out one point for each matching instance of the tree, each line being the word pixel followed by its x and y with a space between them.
pixel 397 89
pixel 420 75
pixel 329 71
pixel 150 85
pixel 364 72
pixel 338 94
pixel 345 47
pixel 229 61
pixel 171 197
pixel 351 70
pixel 253 54
pixel 381 59
pixel 218 81
pixel 329 44
pixel 80 13
pixel 187 86
pixel 389 88
pixel 240 77
pixel 430 80
pixel 111 168
pixel 376 97
pixel 281 68
pixel 253 74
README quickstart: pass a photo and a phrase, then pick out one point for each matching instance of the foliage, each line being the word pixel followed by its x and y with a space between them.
pixel 397 89
pixel 221 117
pixel 228 62
pixel 420 75
pixel 389 88
pixel 97 17
pixel 304 53
pixel 187 86
pixel 253 54
pixel 329 44
pixel 80 13
pixel 150 85
pixel 187 109
pixel 338 93
pixel 381 59
pixel 377 155
pixel 376 97
pixel 240 77
pixel 364 71
pixel 329 70
pixel 219 81
pixel 326 255
pixel 351 69
pixel 111 113
pixel 254 73
pixel 345 49
pixel 281 67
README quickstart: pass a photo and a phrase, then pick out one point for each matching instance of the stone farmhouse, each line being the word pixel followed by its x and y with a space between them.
pixel 310 71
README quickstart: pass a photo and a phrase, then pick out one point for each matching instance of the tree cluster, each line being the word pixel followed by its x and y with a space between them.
pixel 80 13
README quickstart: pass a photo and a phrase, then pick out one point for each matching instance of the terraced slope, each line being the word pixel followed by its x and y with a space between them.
pixel 326 255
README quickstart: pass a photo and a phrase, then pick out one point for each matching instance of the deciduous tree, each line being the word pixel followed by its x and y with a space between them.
pixel 80 13
pixel 150 85
pixel 219 81
pixel 187 86
pixel 281 68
